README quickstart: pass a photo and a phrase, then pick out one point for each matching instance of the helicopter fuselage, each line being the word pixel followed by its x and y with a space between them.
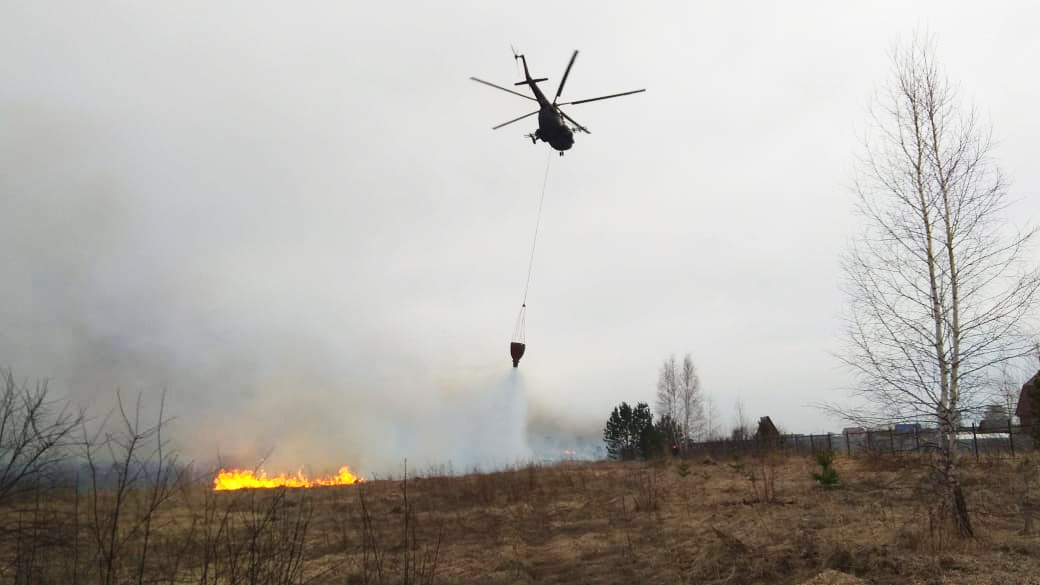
pixel 552 128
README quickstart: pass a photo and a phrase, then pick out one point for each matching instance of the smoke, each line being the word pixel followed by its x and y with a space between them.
pixel 267 348
pixel 556 434
pixel 481 428
pixel 304 269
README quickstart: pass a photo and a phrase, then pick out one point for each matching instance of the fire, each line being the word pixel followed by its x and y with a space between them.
pixel 237 480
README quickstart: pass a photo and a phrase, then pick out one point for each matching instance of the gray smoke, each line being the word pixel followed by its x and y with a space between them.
pixel 267 339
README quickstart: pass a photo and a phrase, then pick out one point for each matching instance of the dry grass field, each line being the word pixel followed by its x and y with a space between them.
pixel 756 520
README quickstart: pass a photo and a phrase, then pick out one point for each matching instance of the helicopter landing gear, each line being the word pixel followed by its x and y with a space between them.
pixel 536 136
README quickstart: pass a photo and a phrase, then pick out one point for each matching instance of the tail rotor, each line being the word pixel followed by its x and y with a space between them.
pixel 516 60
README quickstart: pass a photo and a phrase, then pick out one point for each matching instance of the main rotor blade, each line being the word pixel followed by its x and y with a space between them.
pixel 566 72
pixel 571 120
pixel 602 98
pixel 526 97
pixel 516 119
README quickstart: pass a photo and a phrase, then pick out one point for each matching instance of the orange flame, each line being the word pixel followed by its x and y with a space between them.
pixel 237 480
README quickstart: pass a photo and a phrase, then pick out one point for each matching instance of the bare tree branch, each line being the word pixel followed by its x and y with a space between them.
pixel 35 433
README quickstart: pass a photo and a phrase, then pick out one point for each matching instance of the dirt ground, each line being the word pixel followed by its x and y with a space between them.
pixel 753 520
pixel 701 521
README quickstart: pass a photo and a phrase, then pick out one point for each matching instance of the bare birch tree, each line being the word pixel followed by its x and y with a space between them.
pixel 679 398
pixel 691 400
pixel 711 418
pixel 668 398
pixel 939 291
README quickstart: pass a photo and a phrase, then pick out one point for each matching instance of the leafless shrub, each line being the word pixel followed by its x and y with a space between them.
pixel 1028 492
pixel 416 560
pixel 649 486
pixel 762 473
pixel 251 536
pixel 131 475
pixel 134 516
pixel 35 432
pixel 263 539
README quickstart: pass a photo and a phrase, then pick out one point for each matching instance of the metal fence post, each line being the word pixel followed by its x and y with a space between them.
pixel 830 446
pixel 848 445
pixel 917 440
pixel 812 443
pixel 975 441
pixel 892 441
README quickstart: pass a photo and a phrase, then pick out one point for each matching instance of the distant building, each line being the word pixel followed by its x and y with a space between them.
pixel 767 432
pixel 995 419
pixel 1024 410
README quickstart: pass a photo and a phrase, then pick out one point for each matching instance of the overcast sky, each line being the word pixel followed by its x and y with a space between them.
pixel 296 219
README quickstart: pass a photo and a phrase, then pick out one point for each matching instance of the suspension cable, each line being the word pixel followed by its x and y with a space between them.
pixel 538 221
pixel 520 330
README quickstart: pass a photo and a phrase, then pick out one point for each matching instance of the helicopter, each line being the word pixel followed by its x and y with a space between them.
pixel 552 121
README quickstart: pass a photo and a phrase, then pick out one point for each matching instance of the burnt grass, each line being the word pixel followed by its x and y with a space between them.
pixel 752 520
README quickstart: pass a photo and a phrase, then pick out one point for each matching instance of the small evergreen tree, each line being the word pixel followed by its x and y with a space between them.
pixel 615 433
pixel 650 442
pixel 827 476
pixel 629 432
